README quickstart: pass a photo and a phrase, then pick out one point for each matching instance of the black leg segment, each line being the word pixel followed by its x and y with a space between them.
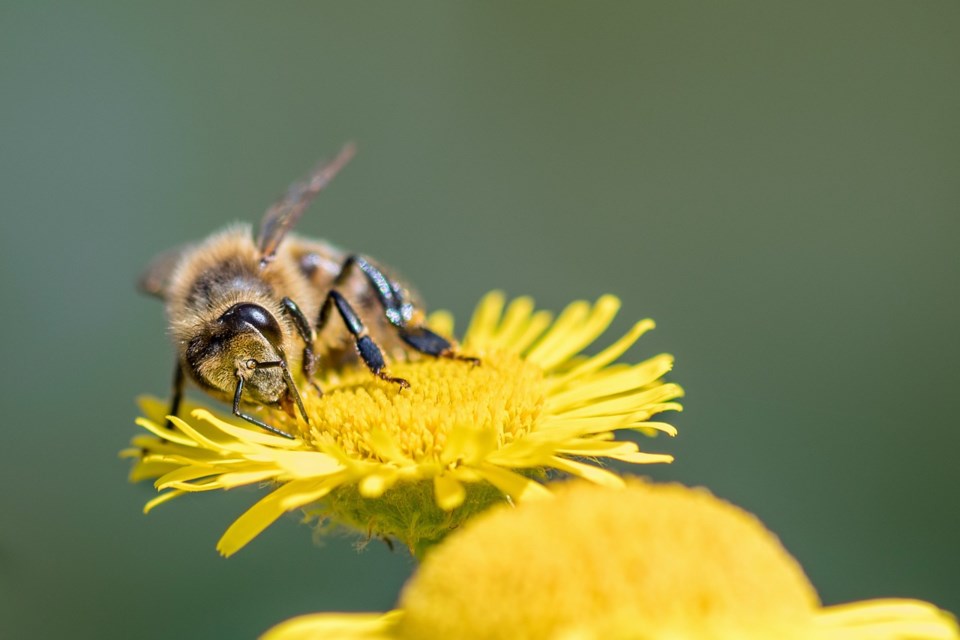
pixel 177 394
pixel 369 351
pixel 336 300
pixel 398 312
pixel 309 364
pixel 425 341
pixel 299 320
pixel 389 296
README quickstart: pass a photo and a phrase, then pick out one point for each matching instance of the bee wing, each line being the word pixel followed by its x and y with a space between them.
pixel 157 275
pixel 283 214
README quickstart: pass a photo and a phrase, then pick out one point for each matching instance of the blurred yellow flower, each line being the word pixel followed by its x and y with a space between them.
pixel 414 465
pixel 645 562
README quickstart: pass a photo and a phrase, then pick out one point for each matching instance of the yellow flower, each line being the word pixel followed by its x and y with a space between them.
pixel 645 562
pixel 415 464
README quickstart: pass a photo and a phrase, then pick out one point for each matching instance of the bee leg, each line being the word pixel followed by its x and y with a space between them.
pixel 391 299
pixel 240 414
pixel 425 341
pixel 398 312
pixel 177 395
pixel 369 351
pixel 308 336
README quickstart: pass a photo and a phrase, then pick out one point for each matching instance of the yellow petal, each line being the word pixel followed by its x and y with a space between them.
pixel 468 445
pixel 252 435
pixel 572 447
pixel 627 404
pixel 609 354
pixel 336 626
pixel 386 446
pixel 167 434
pixel 448 491
pixel 515 321
pixel 484 322
pixel 146 470
pixel 590 448
pixel 650 428
pixel 569 318
pixel 160 499
pixel 594 474
pixel 304 464
pixel 892 619
pixel 242 478
pixel 627 380
pixel 525 453
pixel 153 408
pixel 199 438
pixel 261 515
pixel 601 315
pixel 441 322
pixel 516 486
pixel 183 475
pixel 539 321
pixel 375 484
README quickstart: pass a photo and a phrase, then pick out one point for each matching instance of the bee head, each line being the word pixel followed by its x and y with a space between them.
pixel 242 339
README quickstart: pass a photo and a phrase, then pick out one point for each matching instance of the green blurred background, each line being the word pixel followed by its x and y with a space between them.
pixel 776 185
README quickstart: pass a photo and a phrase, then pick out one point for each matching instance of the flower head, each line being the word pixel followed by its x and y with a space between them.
pixel 414 465
pixel 646 562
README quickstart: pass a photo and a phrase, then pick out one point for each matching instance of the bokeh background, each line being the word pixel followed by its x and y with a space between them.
pixel 776 185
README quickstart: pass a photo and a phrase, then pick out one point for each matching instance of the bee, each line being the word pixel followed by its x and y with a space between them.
pixel 248 314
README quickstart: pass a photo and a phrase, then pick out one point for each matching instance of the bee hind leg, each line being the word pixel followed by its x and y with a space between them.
pixel 425 341
pixel 390 297
pixel 398 311
pixel 369 351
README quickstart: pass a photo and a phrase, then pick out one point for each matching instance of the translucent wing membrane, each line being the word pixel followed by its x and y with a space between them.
pixel 283 215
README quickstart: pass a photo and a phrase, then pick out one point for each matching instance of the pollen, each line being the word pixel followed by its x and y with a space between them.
pixel 504 395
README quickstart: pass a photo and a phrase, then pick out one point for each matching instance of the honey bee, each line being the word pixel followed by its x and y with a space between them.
pixel 240 309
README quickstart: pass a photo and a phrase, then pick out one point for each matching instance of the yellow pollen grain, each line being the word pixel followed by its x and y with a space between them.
pixel 504 394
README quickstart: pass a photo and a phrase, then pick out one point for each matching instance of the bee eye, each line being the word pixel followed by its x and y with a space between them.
pixel 253 315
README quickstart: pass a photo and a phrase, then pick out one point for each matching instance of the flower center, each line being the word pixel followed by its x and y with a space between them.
pixel 504 395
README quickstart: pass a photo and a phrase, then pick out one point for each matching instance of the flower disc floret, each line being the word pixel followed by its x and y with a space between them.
pixel 504 396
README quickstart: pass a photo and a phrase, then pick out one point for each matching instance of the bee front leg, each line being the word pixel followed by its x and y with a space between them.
pixel 307 334
pixel 369 351
pixel 237 395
